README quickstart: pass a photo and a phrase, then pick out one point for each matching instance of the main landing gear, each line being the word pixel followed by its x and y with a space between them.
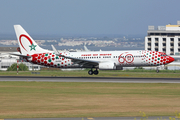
pixel 91 72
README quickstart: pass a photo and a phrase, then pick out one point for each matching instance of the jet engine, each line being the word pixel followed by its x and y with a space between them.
pixel 107 66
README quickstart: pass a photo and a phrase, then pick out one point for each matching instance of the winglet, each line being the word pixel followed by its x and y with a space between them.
pixel 86 49
pixel 54 49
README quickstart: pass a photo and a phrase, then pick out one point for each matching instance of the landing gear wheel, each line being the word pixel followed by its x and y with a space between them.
pixel 96 72
pixel 157 70
pixel 90 72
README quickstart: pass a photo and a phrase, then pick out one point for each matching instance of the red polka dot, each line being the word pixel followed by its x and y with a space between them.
pixel 45 62
pixel 52 58
pixel 38 61
pixel 45 58
pixel 34 55
pixel 61 62
pixel 52 55
pixel 42 60
pixel 34 59
pixel 155 56
pixel 52 63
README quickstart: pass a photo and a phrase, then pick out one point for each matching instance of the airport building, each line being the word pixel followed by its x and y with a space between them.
pixel 164 39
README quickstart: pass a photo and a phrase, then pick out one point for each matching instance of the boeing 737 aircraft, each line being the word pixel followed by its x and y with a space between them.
pixel 108 60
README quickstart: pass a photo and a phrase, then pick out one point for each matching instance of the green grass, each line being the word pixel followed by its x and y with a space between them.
pixel 102 73
pixel 61 99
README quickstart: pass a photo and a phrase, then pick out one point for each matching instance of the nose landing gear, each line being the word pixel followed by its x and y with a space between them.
pixel 91 72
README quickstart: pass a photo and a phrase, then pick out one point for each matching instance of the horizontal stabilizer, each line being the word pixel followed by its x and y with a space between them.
pixel 20 55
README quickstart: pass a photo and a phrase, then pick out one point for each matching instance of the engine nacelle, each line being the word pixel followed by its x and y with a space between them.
pixel 107 66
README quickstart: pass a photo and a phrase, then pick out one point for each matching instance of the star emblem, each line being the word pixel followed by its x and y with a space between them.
pixel 32 47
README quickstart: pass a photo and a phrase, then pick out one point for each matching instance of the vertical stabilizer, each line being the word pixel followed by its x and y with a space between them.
pixel 26 43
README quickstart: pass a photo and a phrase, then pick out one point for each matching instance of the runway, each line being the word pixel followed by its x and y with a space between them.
pixel 90 79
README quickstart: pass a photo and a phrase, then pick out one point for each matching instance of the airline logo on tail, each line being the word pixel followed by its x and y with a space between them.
pixel 32 46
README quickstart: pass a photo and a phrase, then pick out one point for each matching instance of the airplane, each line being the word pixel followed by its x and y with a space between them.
pixel 98 60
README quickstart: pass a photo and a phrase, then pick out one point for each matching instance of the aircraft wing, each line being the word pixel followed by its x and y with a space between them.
pixel 20 55
pixel 82 62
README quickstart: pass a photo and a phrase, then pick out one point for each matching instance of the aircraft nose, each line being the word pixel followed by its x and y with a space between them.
pixel 170 59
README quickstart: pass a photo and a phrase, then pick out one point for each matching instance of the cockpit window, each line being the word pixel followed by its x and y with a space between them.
pixel 164 55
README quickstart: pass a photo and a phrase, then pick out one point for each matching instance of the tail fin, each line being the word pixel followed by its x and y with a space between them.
pixel 26 43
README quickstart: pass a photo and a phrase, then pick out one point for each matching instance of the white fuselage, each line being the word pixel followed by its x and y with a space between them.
pixel 112 58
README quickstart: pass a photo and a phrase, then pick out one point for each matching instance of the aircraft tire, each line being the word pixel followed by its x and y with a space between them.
pixel 90 72
pixel 96 72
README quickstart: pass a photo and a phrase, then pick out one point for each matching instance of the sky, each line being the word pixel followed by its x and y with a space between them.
pixel 88 17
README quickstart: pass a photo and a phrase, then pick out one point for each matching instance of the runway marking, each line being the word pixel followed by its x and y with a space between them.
pixel 90 79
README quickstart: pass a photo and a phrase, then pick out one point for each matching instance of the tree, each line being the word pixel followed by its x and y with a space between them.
pixel 22 67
